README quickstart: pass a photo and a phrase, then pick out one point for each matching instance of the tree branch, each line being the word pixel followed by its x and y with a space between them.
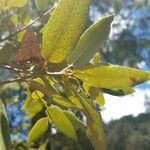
pixel 27 26
pixel 7 67
pixel 15 80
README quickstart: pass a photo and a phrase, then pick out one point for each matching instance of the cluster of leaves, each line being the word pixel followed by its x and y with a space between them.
pixel 126 133
pixel 65 73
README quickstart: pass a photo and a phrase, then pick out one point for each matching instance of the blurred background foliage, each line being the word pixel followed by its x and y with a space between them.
pixel 128 44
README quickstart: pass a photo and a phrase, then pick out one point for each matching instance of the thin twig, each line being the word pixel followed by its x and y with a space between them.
pixel 15 80
pixel 27 26
pixel 7 67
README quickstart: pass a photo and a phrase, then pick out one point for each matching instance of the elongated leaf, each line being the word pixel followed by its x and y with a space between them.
pixel 62 101
pixel 119 92
pixel 40 87
pixel 112 77
pixel 64 29
pixel 5 141
pixel 76 102
pixel 61 121
pixel 41 4
pixel 74 120
pixel 94 129
pixel 49 85
pixel 15 3
pixel 38 129
pixel 91 40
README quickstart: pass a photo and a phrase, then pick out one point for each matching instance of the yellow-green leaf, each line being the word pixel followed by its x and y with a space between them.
pixel 100 100
pixel 41 4
pixel 32 106
pixel 20 35
pixel 2 4
pixel 74 120
pixel 94 130
pixel 14 19
pixel 97 58
pixel 62 101
pixel 112 77
pixel 49 85
pixel 15 3
pixel 37 94
pixel 61 121
pixel 95 94
pixel 75 101
pixel 38 129
pixel 91 40
pixel 64 28
pixel 40 87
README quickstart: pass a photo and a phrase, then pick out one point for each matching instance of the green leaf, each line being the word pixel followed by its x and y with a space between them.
pixel 74 120
pixel 49 85
pixel 95 94
pixel 38 129
pixel 64 28
pixel 5 141
pixel 119 92
pixel 112 77
pixel 2 4
pixel 75 101
pixel 40 87
pixel 100 100
pixel 91 40
pixel 97 58
pixel 23 14
pixel 94 131
pixel 62 101
pixel 37 94
pixel 15 3
pixel 41 4
pixel 32 106
pixel 61 121
pixel 14 19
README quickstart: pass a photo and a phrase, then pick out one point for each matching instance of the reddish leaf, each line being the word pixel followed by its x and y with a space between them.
pixel 30 49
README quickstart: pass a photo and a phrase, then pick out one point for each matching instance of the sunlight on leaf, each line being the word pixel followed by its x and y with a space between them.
pixel 91 40
pixel 32 106
pixel 37 94
pixel 94 130
pixel 62 101
pixel 74 120
pixel 38 129
pixel 112 77
pixel 15 3
pixel 95 94
pixel 61 121
pixel 64 28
